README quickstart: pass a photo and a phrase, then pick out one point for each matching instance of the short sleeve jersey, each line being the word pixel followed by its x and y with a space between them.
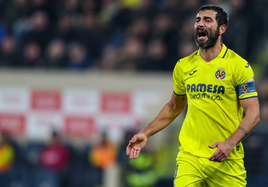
pixel 213 91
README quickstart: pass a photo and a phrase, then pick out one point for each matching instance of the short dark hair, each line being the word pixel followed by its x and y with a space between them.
pixel 221 16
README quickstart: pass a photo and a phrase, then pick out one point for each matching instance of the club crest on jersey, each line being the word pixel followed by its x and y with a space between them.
pixel 220 74
pixel 244 89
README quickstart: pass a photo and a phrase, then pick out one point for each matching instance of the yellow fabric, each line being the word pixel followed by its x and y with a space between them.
pixel 130 3
pixel 145 161
pixel 195 171
pixel 6 157
pixel 214 112
pixel 141 179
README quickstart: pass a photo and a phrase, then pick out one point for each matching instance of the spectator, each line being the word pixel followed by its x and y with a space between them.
pixel 157 59
pixel 109 58
pixel 164 30
pixel 65 29
pixel 111 22
pixel 79 59
pixel 90 35
pixel 132 55
pixel 7 154
pixel 140 173
pixel 55 156
pixel 56 55
pixel 139 29
pixel 103 154
pixel 40 32
pixel 32 56
pixel 8 54
pixel 46 6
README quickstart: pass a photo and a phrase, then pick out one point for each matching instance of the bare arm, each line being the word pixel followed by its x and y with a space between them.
pixel 168 113
pixel 251 119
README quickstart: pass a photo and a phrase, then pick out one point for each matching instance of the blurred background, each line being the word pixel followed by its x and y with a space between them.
pixel 79 77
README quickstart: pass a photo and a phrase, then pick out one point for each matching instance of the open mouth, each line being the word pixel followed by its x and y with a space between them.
pixel 202 34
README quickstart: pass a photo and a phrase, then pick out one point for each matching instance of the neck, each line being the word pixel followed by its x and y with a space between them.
pixel 211 53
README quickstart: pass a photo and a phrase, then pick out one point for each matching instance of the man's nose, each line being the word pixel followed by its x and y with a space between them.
pixel 200 24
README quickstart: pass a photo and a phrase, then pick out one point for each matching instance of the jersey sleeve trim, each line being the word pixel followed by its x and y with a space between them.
pixel 178 94
pixel 248 97
pixel 225 53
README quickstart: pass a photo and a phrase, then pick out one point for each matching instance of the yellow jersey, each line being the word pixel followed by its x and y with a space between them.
pixel 213 91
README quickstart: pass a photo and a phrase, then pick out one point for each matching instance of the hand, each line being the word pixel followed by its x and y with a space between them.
pixel 223 151
pixel 135 145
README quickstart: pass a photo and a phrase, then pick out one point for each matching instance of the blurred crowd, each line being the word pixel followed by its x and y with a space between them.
pixel 134 35
pixel 129 35
pixel 52 164
pixel 57 163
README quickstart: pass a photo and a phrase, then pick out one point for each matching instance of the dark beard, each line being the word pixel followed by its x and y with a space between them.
pixel 211 41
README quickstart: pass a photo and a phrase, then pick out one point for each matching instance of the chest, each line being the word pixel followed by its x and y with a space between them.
pixel 211 78
pixel 219 73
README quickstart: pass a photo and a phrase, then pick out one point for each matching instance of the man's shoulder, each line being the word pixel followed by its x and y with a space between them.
pixel 234 57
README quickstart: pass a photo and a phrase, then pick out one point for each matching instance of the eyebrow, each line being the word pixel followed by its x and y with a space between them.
pixel 205 17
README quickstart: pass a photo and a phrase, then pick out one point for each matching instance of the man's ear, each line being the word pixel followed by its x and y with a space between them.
pixel 222 29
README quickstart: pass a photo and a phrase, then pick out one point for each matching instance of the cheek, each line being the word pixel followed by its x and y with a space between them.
pixel 209 26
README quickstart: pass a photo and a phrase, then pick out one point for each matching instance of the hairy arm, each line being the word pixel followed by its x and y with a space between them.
pixel 168 113
pixel 251 119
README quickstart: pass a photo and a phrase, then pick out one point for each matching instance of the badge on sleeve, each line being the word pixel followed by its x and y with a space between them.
pixel 246 88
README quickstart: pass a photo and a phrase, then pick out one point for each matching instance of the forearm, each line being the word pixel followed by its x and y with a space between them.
pixel 246 126
pixel 168 113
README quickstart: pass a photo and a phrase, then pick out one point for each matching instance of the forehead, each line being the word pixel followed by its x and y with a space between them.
pixel 207 13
